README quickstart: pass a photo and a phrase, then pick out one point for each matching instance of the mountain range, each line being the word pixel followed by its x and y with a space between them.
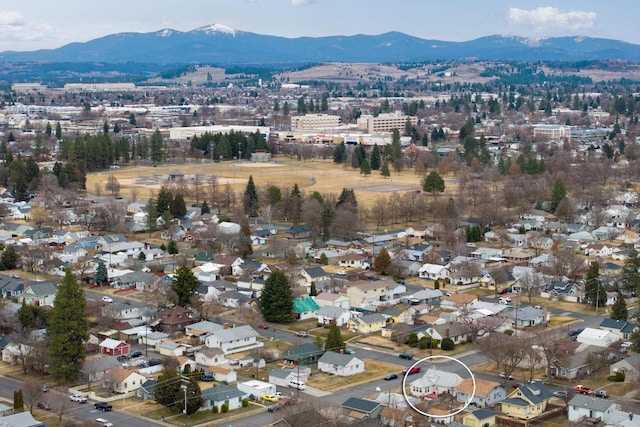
pixel 221 45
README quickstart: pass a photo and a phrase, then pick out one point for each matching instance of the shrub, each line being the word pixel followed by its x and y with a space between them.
pixel 214 409
pixel 225 408
pixel 423 343
pixel 245 402
pixel 413 340
pixel 508 331
pixel 436 284
pixel 447 344
pixel 618 377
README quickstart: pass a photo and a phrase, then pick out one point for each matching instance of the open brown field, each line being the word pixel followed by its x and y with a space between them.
pixel 323 176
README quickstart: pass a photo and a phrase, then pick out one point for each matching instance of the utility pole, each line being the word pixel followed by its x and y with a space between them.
pixel 185 386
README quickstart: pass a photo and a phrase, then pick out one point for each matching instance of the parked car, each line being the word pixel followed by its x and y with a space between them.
pixel 516 385
pixel 303 334
pixel 405 356
pixel 270 398
pixel 582 389
pixel 503 376
pixel 412 370
pixel 389 377
pixel 104 422
pixel 273 408
pixel 135 354
pixel 575 332
pixel 561 393
pixel 601 393
pixel 207 378
pixel 44 388
pixel 263 326
pixel 107 299
pixel 349 351
pixel 44 406
pixel 503 291
pixel 103 406
pixel 78 398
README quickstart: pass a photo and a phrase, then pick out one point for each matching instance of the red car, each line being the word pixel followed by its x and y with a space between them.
pixel 582 389
pixel 516 385
pixel 44 405
pixel 413 370
pixel 263 326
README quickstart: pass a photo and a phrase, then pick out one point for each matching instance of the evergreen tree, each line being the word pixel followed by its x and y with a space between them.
pixel 68 331
pixel 334 339
pixel 172 249
pixel 194 395
pixel 619 309
pixel 433 182
pixel 157 148
pixel 244 245
pixel 204 209
pixel 365 167
pixel 48 129
pixel 132 119
pixel 396 148
pixel 347 199
pixel 152 215
pixel 164 200
pixel 312 290
pixel 58 130
pixel 167 388
pixel 274 195
pixel 250 200
pixel 339 153
pixel 294 208
pixel 324 260
pixel 631 273
pixel 185 285
pixel 384 170
pixel 18 401
pixel 178 206
pixel 382 261
pixel 375 158
pixel 276 300
pixel 594 292
pixel 559 193
pixel 101 275
pixel 9 259
pixel 285 108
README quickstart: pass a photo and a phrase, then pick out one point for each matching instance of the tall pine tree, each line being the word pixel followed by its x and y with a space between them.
pixel 68 331
pixel 250 200
pixel 375 158
pixel 594 292
pixel 276 300
pixel 619 309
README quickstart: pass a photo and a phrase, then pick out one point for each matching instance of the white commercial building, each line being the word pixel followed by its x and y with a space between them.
pixel 384 123
pixel 314 121
pixel 552 132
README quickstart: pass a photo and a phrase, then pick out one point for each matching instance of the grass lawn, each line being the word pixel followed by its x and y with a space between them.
pixel 374 370
pixel 177 418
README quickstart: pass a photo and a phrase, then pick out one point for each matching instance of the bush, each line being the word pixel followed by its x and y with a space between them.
pixel 447 344
pixel 245 402
pixel 508 331
pixel 413 340
pixel 618 377
pixel 214 409
pixel 225 408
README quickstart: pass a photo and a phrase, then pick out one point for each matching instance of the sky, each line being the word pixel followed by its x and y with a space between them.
pixel 43 24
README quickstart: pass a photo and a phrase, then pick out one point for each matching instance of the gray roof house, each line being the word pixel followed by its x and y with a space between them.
pixel 343 365
pixel 629 365
pixel 221 394
pixel 589 408
pixel 621 328
pixel 328 315
pixel 525 316
pixel 361 408
pixel 303 354
pixel 233 340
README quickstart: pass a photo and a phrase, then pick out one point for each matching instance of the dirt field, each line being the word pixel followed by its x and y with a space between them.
pixel 323 176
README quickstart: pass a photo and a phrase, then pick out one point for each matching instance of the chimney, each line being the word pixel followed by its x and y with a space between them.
pixel 446 333
pixel 225 325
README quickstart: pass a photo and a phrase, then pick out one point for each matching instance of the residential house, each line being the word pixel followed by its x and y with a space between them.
pixel 597 337
pixel 360 409
pixel 367 324
pixel 252 268
pixel 456 331
pixel 123 380
pixel 137 279
pixel 22 419
pixel 316 276
pixel 563 291
pixel 207 357
pixel 147 391
pixel 487 393
pixel 622 329
pixel 343 365
pixel 365 293
pixel 40 294
pixel 226 263
pixel 305 308
pixel 233 340
pixel 630 366
pixel 575 364
pixel 600 250
pixel 304 354
pixel 329 315
pixel 172 319
pixel 222 394
pixel 584 408
pixel 11 287
pixel 435 382
pixel 113 347
pixel 257 388
pixel 234 299
pixel 434 271
pixel 353 260
pixel 527 401
pixel 458 301
pixel 300 231
pixel 170 348
pixel 484 417
pixel 201 329
pixel 524 317
pixel 395 314
pixel 94 368
pixel 335 300
pixel 417 252
pixel 423 296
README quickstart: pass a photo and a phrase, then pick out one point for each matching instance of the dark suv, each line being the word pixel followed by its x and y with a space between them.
pixel 406 356
pixel 135 354
pixel 103 406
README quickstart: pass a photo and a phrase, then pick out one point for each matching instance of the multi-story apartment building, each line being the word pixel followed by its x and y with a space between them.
pixel 551 132
pixel 314 121
pixel 385 123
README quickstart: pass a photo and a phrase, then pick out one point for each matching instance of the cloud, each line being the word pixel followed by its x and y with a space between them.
pixel 11 18
pixel 302 2
pixel 551 19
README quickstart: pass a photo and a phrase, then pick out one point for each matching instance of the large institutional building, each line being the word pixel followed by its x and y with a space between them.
pixel 385 123
pixel 314 121
pixel 552 132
